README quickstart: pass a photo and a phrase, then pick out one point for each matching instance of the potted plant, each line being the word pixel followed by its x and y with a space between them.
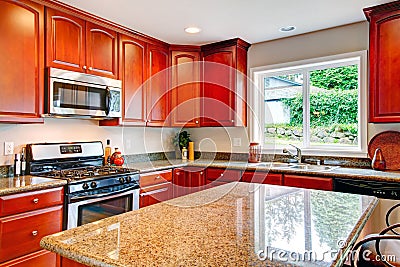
pixel 182 139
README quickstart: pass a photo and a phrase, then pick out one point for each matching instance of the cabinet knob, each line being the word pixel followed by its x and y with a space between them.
pixel 197 122
pixel 222 174
pixel 149 121
pixel 201 173
pixel 232 120
pixel 35 233
pixel 158 177
pixel 35 200
pixel 90 68
pixel 84 67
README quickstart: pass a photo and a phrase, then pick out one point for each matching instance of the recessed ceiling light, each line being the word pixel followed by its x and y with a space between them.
pixel 287 29
pixel 192 30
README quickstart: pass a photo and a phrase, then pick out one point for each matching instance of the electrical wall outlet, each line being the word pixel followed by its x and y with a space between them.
pixel 8 148
pixel 237 141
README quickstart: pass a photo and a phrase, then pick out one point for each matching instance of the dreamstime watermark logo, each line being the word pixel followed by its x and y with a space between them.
pixel 281 255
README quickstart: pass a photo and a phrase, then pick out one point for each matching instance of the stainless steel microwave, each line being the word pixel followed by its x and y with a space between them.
pixel 82 95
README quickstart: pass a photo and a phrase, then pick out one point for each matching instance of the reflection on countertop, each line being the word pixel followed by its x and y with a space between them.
pixel 12 185
pixel 236 224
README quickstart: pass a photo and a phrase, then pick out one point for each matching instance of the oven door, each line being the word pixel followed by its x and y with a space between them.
pixel 99 207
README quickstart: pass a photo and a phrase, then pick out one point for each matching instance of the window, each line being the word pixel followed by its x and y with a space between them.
pixel 318 104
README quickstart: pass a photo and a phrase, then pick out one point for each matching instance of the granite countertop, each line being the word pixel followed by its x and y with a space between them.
pixel 13 185
pixel 236 224
pixel 340 172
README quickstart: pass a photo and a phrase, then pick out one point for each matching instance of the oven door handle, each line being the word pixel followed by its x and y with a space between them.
pixel 75 199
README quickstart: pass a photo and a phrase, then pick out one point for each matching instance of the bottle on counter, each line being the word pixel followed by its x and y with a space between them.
pixel 23 161
pixel 184 153
pixel 17 165
pixel 191 151
pixel 107 153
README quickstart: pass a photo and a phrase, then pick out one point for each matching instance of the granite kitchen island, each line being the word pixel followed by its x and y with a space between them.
pixel 236 224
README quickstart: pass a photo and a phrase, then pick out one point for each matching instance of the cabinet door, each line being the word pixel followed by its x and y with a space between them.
pixel 157 86
pixel 385 67
pixel 101 51
pixel 218 93
pixel 262 178
pixel 65 41
pixel 133 75
pixel 185 96
pixel 155 194
pixel 181 183
pixel 196 178
pixel 308 182
pixel 20 234
pixel 21 57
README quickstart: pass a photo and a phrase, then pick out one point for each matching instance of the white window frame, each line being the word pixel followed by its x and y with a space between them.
pixel 257 111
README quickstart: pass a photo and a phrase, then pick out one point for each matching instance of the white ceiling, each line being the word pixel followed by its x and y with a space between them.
pixel 252 20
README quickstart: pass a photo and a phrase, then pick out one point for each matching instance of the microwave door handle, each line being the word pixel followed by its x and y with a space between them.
pixel 108 101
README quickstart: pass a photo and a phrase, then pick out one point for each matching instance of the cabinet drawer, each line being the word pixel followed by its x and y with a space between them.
pixel 20 234
pixel 308 182
pixel 153 178
pixel 41 258
pixel 262 178
pixel 223 175
pixel 154 194
pixel 17 203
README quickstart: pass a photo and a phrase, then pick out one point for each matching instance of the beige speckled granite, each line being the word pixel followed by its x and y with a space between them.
pixel 229 225
pixel 21 184
pixel 340 172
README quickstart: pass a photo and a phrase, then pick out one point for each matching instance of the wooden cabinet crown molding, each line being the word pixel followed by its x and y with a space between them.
pixel 380 9
pixel 71 10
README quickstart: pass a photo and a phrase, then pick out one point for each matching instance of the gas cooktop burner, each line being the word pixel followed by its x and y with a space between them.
pixel 88 172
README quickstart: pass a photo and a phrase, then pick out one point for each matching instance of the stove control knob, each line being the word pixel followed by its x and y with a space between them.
pixel 85 186
pixel 121 180
pixel 93 184
pixel 128 179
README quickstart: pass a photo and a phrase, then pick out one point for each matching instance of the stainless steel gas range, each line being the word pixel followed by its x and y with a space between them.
pixel 93 191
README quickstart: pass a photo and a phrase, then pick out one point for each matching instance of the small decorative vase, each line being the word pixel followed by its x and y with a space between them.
pixel 378 161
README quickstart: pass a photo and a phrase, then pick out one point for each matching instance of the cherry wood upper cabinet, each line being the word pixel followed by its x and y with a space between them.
pixel 133 72
pixel 21 68
pixel 384 58
pixel 157 86
pixel 77 45
pixel 224 83
pixel 185 87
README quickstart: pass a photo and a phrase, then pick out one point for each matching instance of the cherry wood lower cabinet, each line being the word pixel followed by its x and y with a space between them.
pixel 218 176
pixel 65 262
pixel 155 187
pixel 188 180
pixel 40 258
pixel 262 177
pixel 36 215
pixel 310 182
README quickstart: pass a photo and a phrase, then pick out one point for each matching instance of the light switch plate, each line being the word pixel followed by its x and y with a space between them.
pixel 8 148
pixel 237 141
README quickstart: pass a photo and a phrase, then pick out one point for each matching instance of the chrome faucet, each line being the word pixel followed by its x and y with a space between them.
pixel 298 153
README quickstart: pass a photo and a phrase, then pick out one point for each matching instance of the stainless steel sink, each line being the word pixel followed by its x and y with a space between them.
pixel 274 164
pixel 317 168
pixel 296 166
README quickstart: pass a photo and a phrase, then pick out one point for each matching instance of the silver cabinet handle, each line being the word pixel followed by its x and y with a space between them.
pixel 35 200
pixel 35 233
pixel 153 192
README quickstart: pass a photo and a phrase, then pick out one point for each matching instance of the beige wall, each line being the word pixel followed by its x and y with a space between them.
pixel 344 39
pixel 131 140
